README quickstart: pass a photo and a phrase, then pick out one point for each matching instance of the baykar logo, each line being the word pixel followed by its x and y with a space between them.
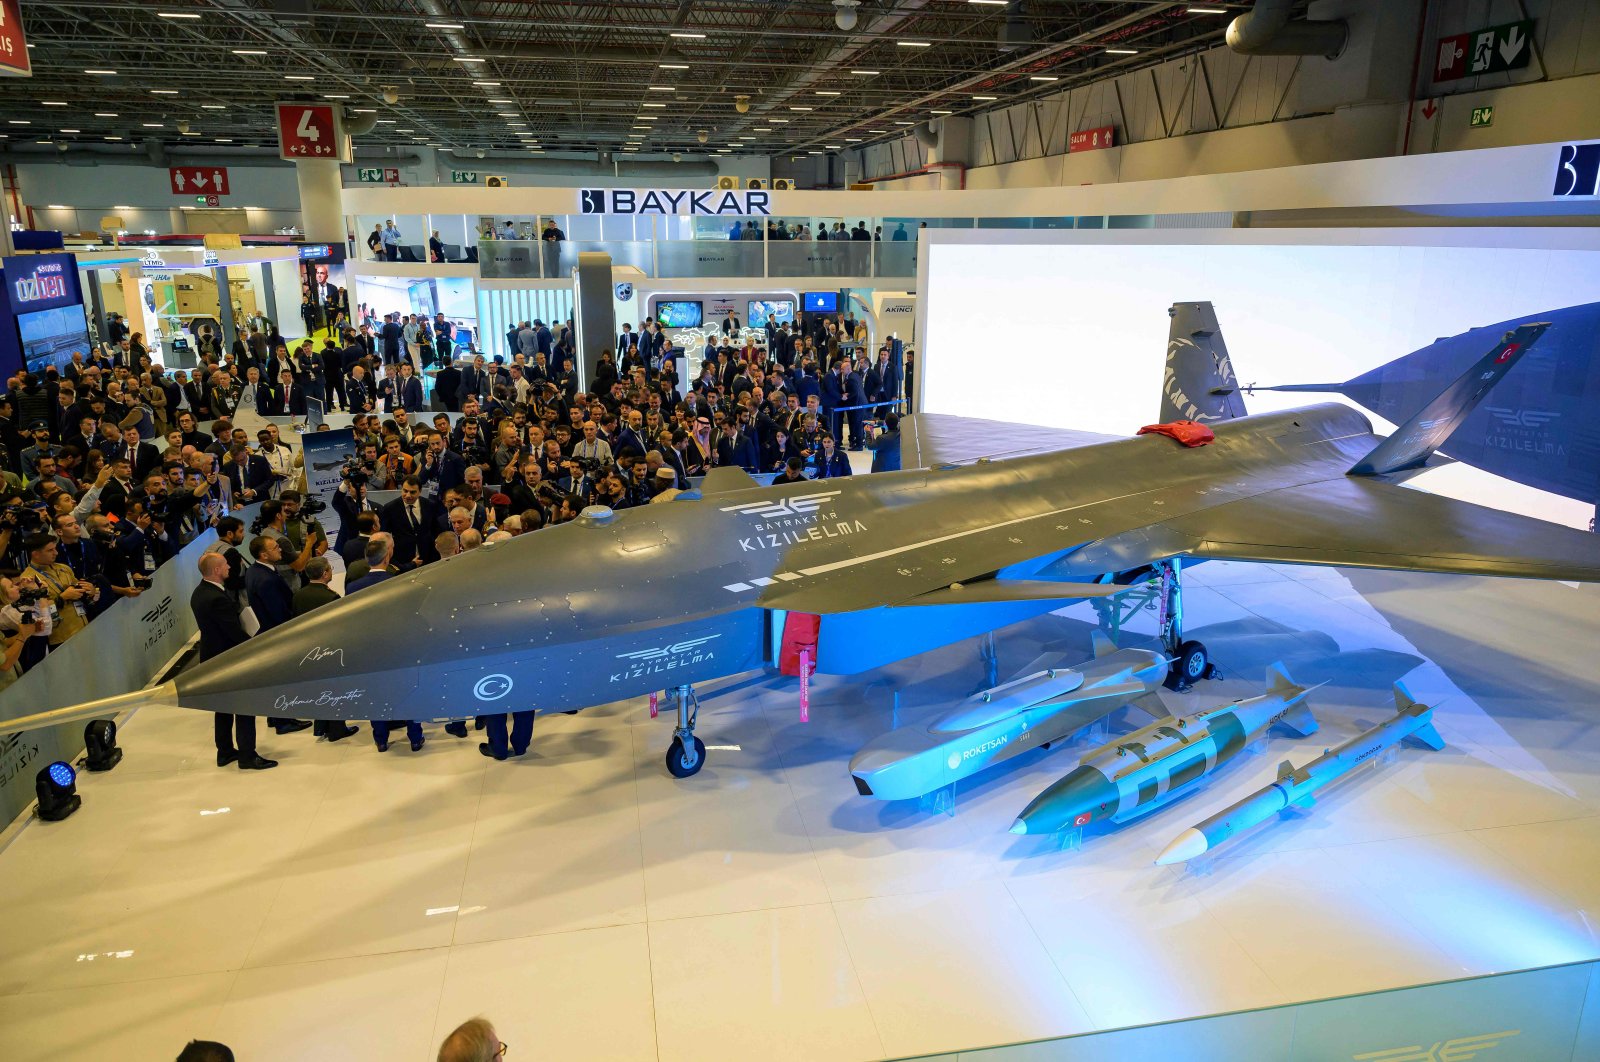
pixel 1457 1050
pixel 795 506
pixel 156 613
pixel 660 658
pixel 594 201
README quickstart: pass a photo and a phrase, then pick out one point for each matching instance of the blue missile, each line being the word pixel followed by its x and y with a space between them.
pixel 1296 787
pixel 999 723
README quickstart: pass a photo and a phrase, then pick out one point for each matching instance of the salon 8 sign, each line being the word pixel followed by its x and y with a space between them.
pixel 709 203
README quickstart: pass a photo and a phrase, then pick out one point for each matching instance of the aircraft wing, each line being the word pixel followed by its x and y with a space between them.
pixel 931 439
pixel 1356 522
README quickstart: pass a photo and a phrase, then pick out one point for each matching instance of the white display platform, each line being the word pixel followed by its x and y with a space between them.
pixel 351 905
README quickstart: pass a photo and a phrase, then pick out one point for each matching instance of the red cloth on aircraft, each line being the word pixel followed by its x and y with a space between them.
pixel 1185 431
pixel 800 631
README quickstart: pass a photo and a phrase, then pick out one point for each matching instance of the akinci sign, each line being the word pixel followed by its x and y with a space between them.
pixel 897 316
pixel 708 203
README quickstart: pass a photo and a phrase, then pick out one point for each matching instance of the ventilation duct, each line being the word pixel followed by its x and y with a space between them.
pixel 1016 31
pixel 926 135
pixel 359 124
pixel 1267 30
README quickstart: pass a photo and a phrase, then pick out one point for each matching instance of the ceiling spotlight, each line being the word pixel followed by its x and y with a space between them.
pixel 702 136
pixel 183 127
pixel 844 13
pixel 390 96
pixel 677 156
pixel 481 153
pixel 57 789
pixel 741 103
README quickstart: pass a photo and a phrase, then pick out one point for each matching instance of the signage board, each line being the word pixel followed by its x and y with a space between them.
pixel 36 284
pixel 311 131
pixel 1578 170
pixel 1491 50
pixel 378 175
pixel 41 281
pixel 198 180
pixel 1482 116
pixel 14 60
pixel 1103 136
pixel 497 181
pixel 680 202
pixel 310 251
pixel 463 176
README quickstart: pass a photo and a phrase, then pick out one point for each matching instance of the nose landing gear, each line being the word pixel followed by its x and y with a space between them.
pixel 687 753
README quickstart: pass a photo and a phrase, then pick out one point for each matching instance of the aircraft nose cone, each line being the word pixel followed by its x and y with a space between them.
pixel 1084 792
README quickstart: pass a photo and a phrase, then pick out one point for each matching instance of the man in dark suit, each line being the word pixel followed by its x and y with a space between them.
pixel 474 381
pixel 316 593
pixel 216 613
pixel 271 601
pixel 358 391
pixel 410 520
pixel 409 390
pixel 291 396
pixel 249 475
pixel 392 334
pixel 142 457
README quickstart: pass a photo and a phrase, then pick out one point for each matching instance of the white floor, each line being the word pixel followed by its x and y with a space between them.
pixel 351 905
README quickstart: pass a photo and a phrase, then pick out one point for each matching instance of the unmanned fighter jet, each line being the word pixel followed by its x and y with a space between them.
pixel 1539 429
pixel 618 605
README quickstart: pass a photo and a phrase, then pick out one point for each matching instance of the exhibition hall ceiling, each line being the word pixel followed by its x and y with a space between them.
pixel 610 75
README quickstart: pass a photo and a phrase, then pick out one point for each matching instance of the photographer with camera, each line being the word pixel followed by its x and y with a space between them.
pixel 116 566
pixel 301 523
pixel 69 596
pixel 17 625
pixel 350 501
pixel 272 523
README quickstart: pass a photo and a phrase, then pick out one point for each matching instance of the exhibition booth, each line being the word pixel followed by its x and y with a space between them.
pixel 863 862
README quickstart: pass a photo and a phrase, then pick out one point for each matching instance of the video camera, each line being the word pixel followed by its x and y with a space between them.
pixel 25 518
pixel 355 472
pixel 312 506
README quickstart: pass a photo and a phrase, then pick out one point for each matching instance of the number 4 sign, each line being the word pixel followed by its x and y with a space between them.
pixel 311 131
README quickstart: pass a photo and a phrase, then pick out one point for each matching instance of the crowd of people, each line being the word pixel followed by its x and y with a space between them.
pixel 779 229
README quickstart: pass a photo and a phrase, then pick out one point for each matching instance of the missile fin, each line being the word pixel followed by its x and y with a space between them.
pixel 1307 801
pixel 1278 680
pixel 1285 769
pixel 1300 720
pixel 1402 697
pixel 1428 736
pixel 1103 645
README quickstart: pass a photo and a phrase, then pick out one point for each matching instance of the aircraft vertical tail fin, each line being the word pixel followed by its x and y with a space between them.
pixel 1415 440
pixel 1198 383
pixel 1103 645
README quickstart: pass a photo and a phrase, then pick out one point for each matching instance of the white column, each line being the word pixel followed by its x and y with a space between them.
pixel 321 207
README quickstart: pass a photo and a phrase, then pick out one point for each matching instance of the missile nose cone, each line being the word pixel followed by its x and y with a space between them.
pixel 1184 847
pixel 1083 796
pixel 1019 827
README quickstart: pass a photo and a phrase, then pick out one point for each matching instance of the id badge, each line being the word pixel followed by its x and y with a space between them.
pixel 78 606
pixel 149 562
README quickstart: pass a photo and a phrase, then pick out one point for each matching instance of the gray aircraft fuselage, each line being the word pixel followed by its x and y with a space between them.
pixel 679 593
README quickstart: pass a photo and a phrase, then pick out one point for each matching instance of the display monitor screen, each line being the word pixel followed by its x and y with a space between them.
pixel 49 337
pixel 778 311
pixel 822 301
pixel 680 314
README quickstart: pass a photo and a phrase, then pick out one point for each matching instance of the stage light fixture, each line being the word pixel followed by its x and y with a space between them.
pixel 100 745
pixel 56 788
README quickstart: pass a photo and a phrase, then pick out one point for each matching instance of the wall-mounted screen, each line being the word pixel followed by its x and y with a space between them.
pixel 49 337
pixel 822 302
pixel 681 314
pixel 778 311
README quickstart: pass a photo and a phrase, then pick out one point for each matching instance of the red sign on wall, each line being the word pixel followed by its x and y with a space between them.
pixel 13 47
pixel 198 180
pixel 1092 139
pixel 311 131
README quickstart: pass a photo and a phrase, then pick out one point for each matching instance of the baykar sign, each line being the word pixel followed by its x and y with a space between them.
pixel 670 201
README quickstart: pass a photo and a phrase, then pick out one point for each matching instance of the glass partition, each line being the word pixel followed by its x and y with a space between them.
pixel 895 259
pixel 710 258
pixel 824 258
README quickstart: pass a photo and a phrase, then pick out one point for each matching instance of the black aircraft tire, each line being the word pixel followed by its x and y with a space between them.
pixel 1188 667
pixel 675 758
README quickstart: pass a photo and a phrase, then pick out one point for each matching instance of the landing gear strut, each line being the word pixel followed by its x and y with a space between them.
pixel 1159 587
pixel 687 753
pixel 1190 661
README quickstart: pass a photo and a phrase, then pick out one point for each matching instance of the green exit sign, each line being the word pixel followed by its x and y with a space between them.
pixel 463 176
pixel 370 175
pixel 1482 116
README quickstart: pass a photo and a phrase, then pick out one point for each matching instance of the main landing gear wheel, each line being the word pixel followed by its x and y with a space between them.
pixel 682 761
pixel 1189 665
